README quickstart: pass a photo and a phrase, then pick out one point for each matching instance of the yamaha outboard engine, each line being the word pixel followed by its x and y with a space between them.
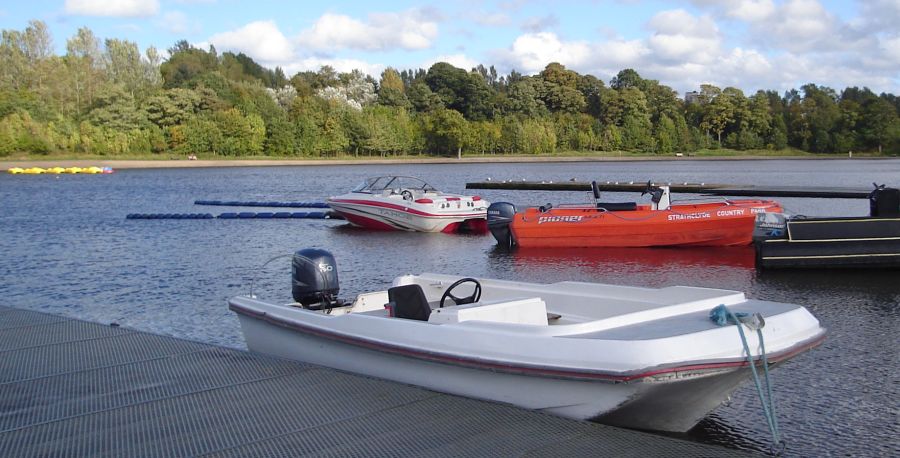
pixel 314 279
pixel 884 202
pixel 499 217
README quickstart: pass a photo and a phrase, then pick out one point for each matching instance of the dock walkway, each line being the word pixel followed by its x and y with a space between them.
pixel 74 388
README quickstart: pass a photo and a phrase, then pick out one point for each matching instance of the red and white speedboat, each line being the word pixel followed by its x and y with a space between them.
pixel 410 204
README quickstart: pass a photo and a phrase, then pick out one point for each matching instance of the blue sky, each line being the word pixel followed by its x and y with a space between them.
pixel 749 44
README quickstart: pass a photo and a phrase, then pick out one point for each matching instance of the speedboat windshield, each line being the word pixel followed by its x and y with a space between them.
pixel 379 184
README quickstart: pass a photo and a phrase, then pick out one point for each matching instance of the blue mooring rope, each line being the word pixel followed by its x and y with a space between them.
pixel 768 407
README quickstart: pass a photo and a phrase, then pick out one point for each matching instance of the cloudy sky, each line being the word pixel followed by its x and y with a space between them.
pixel 749 44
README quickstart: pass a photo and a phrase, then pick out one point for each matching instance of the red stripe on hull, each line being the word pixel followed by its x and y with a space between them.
pixel 367 223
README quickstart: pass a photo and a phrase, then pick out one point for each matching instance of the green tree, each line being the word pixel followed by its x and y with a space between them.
pixel 559 90
pixel 172 106
pixel 115 108
pixel 446 131
pixel 391 91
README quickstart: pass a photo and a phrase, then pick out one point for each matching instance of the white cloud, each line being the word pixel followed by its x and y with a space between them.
pixel 540 24
pixel 751 10
pixel 681 37
pixel 383 31
pixel 616 55
pixel 456 60
pixel 490 19
pixel 680 22
pixel 531 52
pixel 113 8
pixel 891 52
pixel 881 14
pixel 744 10
pixel 261 40
pixel 801 25
pixel 175 22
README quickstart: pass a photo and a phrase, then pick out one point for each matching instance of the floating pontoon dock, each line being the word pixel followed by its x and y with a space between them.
pixel 73 388
pixel 696 188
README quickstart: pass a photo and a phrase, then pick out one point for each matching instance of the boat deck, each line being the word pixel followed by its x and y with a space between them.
pixel 74 388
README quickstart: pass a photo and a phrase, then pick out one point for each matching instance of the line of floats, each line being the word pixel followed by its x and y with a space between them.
pixel 93 170
pixel 236 215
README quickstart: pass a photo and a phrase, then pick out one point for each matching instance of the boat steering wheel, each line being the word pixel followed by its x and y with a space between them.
pixel 407 194
pixel 474 297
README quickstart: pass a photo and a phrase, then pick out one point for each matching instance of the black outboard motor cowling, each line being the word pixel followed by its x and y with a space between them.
pixel 314 279
pixel 499 217
pixel 884 202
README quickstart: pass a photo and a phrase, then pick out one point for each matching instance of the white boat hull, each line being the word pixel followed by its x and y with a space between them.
pixel 389 216
pixel 635 357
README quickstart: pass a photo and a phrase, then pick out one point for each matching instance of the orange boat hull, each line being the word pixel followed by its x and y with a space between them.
pixel 705 224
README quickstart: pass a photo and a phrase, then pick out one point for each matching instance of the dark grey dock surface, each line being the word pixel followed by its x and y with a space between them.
pixel 687 188
pixel 73 388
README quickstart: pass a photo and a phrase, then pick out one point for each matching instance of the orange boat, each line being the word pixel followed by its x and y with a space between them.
pixel 628 224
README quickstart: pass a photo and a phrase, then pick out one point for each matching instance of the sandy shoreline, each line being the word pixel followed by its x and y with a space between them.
pixel 152 164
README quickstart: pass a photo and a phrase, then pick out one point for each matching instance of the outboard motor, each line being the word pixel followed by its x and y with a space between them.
pixel 884 201
pixel 314 279
pixel 499 217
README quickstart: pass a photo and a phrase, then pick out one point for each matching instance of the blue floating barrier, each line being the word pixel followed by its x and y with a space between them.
pixel 299 215
pixel 246 215
pixel 264 215
pixel 228 215
pixel 281 215
pixel 316 215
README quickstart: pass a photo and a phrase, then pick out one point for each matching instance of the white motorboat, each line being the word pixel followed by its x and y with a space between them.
pixel 410 204
pixel 629 356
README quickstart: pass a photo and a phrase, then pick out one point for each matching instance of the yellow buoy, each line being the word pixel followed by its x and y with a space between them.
pixel 16 170
pixel 55 170
pixel 34 170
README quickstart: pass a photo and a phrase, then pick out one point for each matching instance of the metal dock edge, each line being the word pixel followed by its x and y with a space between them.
pixel 74 388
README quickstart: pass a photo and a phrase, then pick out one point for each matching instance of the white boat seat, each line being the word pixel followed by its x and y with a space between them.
pixel 408 301
pixel 530 310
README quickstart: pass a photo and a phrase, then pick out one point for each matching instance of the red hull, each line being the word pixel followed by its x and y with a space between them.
pixel 705 224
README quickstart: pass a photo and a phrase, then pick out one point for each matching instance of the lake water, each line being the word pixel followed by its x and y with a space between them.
pixel 67 249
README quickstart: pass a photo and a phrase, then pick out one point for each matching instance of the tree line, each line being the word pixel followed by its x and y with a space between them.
pixel 109 98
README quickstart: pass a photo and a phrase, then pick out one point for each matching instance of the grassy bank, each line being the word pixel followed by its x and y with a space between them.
pixel 170 160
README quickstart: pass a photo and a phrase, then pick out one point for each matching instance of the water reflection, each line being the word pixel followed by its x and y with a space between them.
pixel 654 267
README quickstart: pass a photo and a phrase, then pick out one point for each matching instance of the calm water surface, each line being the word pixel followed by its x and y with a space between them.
pixel 67 249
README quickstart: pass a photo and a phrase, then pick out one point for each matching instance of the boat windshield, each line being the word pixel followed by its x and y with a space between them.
pixel 379 184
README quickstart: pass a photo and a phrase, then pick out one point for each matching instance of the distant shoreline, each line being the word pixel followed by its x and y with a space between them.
pixel 184 163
